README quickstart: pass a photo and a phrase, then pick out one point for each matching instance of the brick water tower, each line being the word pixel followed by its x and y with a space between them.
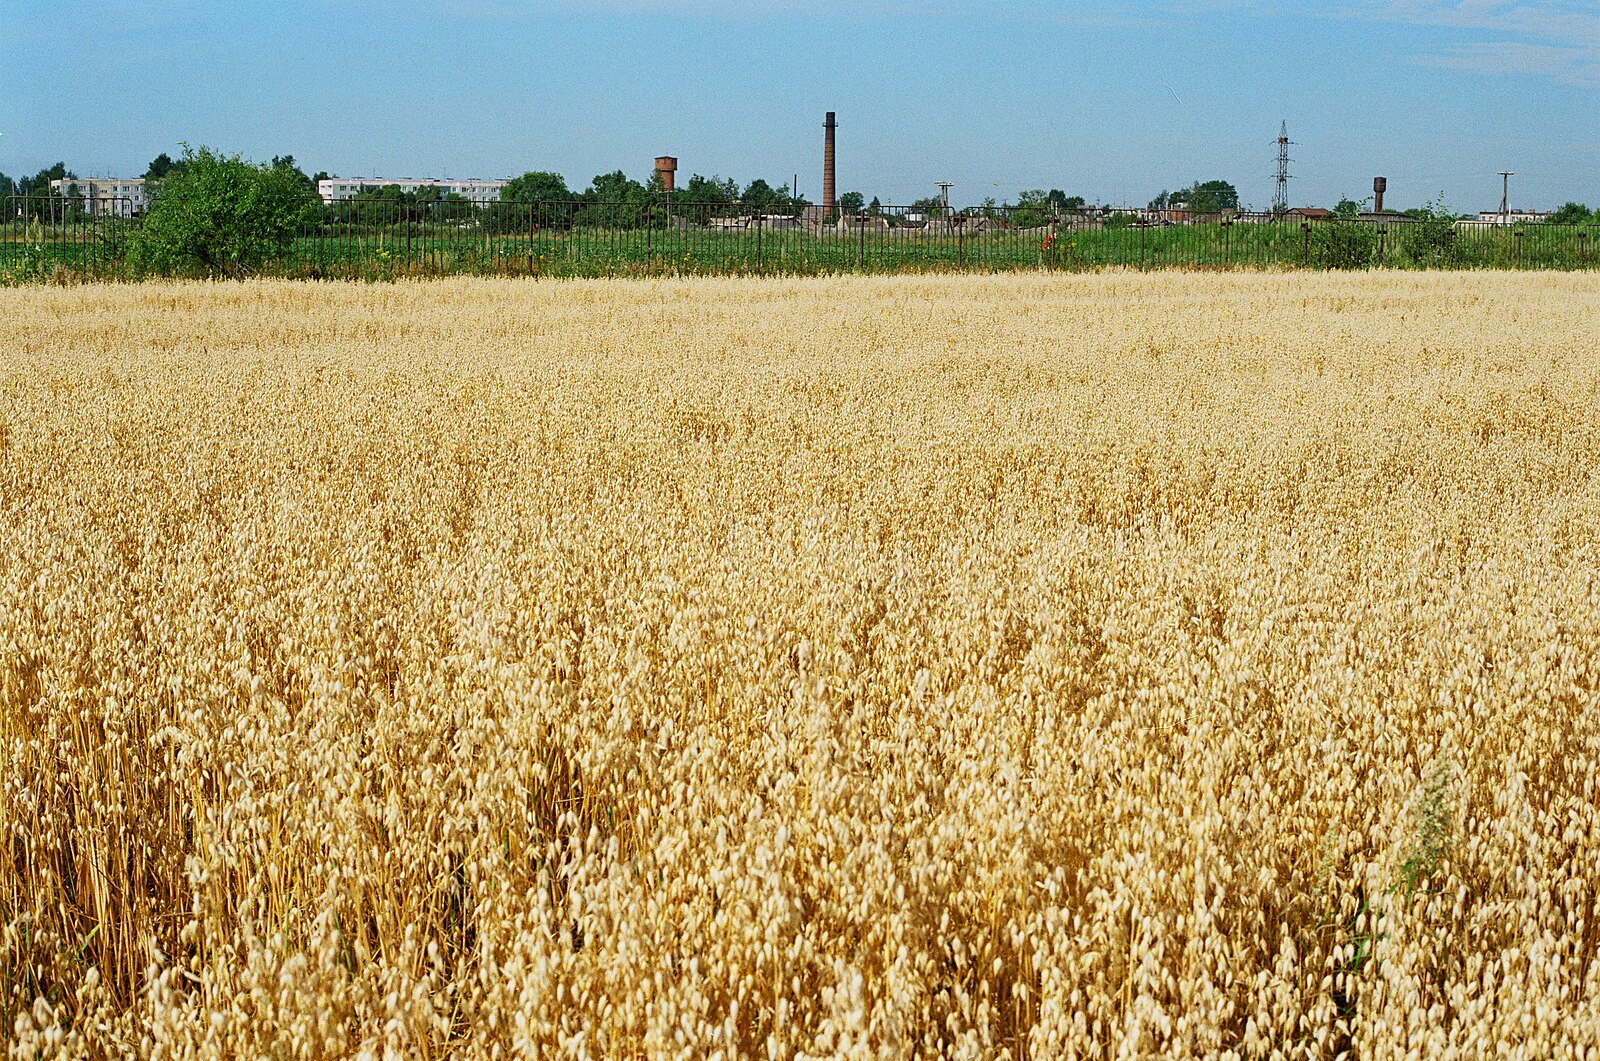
pixel 667 171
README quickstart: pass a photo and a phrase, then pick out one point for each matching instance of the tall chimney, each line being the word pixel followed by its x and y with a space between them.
pixel 667 170
pixel 1379 186
pixel 828 126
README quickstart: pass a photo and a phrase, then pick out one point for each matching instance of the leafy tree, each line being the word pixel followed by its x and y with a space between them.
pixel 1210 197
pixel 39 183
pixel 7 186
pixel 1033 208
pixel 536 186
pixel 157 172
pixel 874 208
pixel 852 202
pixel 380 191
pixel 615 199
pixel 220 215
pixel 396 203
pixel 615 187
pixel 759 195
pixel 1570 214
pixel 1347 207
pixel 1063 203
pixel 159 167
pixel 932 206
pixel 47 203
pixel 1201 197
pixel 707 190
pixel 533 198
pixel 706 197
pixel 287 164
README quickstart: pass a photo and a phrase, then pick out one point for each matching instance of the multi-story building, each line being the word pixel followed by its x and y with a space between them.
pixel 1510 217
pixel 336 189
pixel 105 196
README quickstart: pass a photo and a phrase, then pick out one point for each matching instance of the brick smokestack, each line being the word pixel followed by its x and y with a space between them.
pixel 1379 186
pixel 828 126
pixel 667 170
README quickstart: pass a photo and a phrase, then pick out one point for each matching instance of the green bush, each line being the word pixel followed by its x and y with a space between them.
pixel 219 215
pixel 1341 245
pixel 1431 242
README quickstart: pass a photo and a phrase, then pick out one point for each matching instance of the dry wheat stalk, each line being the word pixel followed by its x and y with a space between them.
pixel 1021 666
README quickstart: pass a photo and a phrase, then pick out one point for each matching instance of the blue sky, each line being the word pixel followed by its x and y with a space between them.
pixel 1113 101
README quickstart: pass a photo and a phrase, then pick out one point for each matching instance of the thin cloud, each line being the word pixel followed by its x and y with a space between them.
pixel 1560 41
pixel 1573 24
pixel 731 10
pixel 1571 66
pixel 1112 14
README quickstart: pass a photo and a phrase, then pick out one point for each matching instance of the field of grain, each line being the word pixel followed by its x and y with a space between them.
pixel 1096 666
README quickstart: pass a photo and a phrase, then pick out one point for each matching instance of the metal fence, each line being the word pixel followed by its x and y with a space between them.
pixel 42 237
pixel 46 236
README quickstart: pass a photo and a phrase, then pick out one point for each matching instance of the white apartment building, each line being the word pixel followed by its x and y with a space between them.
pixel 108 196
pixel 336 189
pixel 1513 217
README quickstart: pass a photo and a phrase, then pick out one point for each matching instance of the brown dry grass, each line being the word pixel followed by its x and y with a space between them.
pixel 1092 666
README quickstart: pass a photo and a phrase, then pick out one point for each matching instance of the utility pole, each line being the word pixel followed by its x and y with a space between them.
pixel 944 195
pixel 1505 194
pixel 1280 197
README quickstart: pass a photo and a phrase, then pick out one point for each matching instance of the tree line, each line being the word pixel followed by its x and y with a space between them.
pixel 544 187
pixel 37 187
pixel 212 213
pixel 1033 206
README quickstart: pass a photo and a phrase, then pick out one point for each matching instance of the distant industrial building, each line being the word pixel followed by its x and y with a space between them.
pixel 107 196
pixel 337 189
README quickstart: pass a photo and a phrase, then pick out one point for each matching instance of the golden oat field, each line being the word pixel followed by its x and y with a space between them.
pixel 1095 666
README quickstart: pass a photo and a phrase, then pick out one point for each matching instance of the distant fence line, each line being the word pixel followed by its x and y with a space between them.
pixel 47 237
